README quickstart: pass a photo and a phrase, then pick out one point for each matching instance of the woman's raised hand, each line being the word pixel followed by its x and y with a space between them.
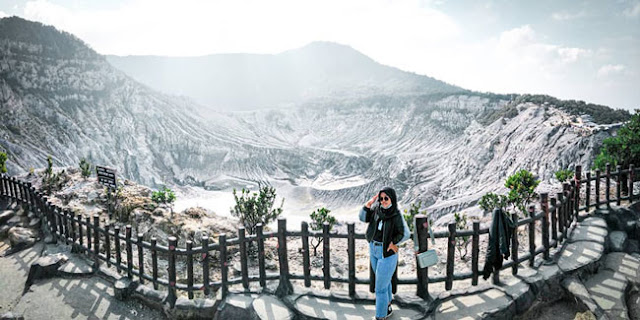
pixel 370 202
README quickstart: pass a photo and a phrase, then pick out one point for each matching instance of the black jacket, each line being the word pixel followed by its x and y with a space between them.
pixel 502 229
pixel 392 229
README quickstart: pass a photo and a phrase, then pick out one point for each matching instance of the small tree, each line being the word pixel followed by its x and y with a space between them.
pixel 51 180
pixel 623 149
pixel 491 201
pixel 3 160
pixel 564 175
pixel 410 214
pixel 254 208
pixel 85 168
pixel 164 195
pixel 462 243
pixel 318 218
pixel 521 187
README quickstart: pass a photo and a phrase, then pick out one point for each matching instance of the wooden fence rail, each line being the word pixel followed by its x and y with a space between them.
pixel 100 240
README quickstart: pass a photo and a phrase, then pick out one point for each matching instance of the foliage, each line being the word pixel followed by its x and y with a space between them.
pixel 411 213
pixel 52 181
pixel 318 218
pixel 462 243
pixel 521 185
pixel 491 201
pixel 255 208
pixel 624 148
pixel 600 114
pixel 3 160
pixel 115 205
pixel 85 168
pixel 564 175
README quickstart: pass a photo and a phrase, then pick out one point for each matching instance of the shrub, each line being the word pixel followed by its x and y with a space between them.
pixel 564 175
pixel 318 218
pixel 85 168
pixel 164 195
pixel 491 201
pixel 410 214
pixel 521 185
pixel 3 160
pixel 624 148
pixel 254 208
pixel 462 243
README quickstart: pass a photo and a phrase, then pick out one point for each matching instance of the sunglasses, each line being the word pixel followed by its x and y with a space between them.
pixel 384 198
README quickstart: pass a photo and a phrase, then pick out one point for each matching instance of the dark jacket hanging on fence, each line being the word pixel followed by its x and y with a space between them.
pixel 500 233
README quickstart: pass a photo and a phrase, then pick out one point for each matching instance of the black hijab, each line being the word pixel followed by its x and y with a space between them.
pixel 386 214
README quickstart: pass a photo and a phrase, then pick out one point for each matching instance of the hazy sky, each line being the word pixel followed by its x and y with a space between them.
pixel 583 50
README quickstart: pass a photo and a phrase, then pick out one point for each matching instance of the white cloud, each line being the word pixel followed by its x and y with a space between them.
pixel 197 27
pixel 611 69
pixel 564 16
pixel 634 10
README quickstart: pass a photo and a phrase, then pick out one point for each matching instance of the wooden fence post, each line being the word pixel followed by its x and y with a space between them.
pixel 632 175
pixel 171 297
pixel 514 245
pixel 554 222
pixel 96 238
pixel 608 183
pixel 475 251
pixel 129 252
pixel 597 195
pixel 618 184
pixel 351 250
pixel 140 258
pixel 116 240
pixel 87 220
pixel 306 266
pixel 107 243
pixel 451 256
pixel 573 214
pixel 244 269
pixel 560 213
pixel 284 287
pixel 224 267
pixel 544 204
pixel 205 264
pixel 154 262
pixel 532 236
pixel 189 244
pixel 326 255
pixel 421 224
pixel 587 196
pixel 261 264
pixel 578 176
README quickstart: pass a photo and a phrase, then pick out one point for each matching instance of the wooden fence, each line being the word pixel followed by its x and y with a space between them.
pixel 557 215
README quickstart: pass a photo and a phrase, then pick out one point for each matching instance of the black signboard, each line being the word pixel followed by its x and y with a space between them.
pixel 106 176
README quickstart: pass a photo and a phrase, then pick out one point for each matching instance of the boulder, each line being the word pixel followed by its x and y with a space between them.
pixel 22 237
pixel 11 316
pixel 6 215
pixel 617 241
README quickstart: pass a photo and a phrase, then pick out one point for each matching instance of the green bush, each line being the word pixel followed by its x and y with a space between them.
pixel 254 208
pixel 85 168
pixel 164 195
pixel 624 148
pixel 410 214
pixel 564 175
pixel 521 185
pixel 318 218
pixel 462 243
pixel 491 201
pixel 3 160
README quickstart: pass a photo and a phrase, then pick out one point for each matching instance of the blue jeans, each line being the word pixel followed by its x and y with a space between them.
pixel 383 269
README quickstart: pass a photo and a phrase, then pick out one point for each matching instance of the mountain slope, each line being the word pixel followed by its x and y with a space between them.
pixel 252 81
pixel 58 97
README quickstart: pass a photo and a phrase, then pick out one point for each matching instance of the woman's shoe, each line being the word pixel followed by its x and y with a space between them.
pixel 389 311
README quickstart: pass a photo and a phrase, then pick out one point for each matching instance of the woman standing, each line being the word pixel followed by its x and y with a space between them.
pixel 386 230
